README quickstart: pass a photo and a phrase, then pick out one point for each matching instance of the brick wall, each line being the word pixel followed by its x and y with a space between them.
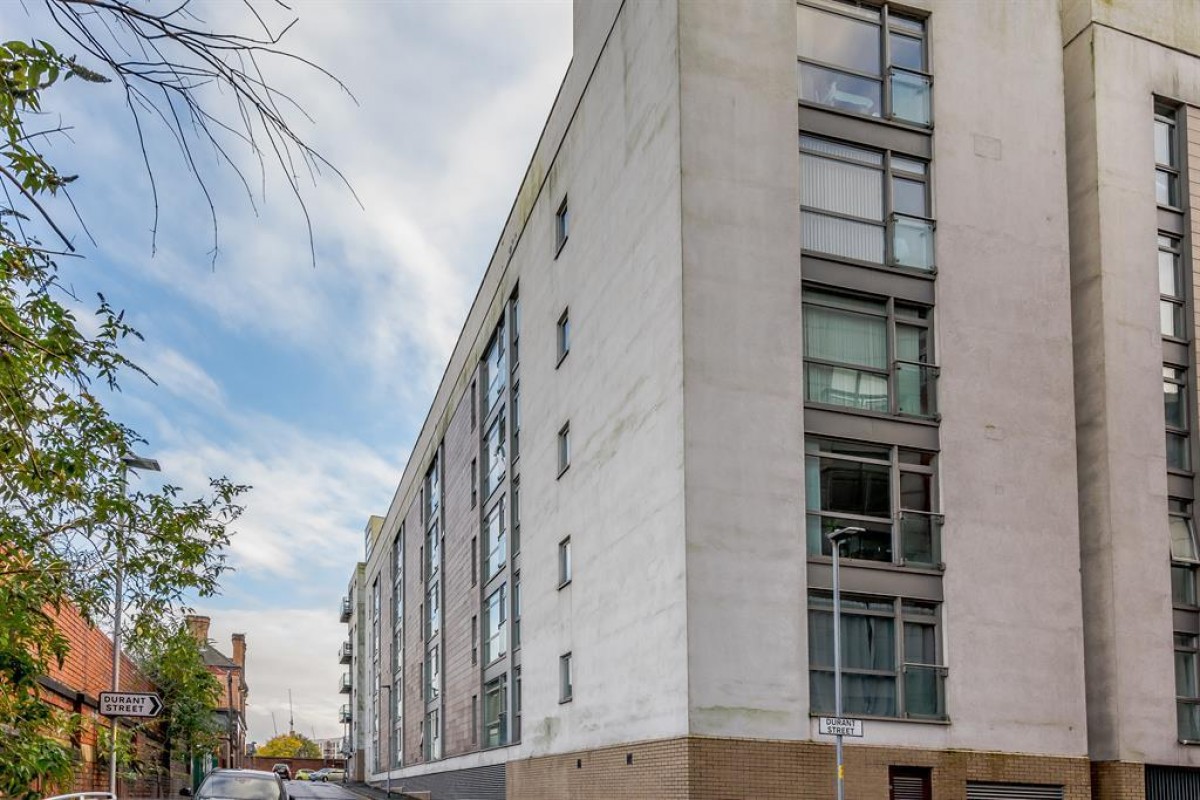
pixel 1118 780
pixel 698 768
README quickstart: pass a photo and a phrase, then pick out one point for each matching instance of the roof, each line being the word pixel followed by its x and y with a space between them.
pixel 215 658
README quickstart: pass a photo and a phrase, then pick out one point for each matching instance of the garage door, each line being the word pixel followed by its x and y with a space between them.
pixel 978 790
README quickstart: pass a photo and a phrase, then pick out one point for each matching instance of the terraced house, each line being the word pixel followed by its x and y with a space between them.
pixel 779 267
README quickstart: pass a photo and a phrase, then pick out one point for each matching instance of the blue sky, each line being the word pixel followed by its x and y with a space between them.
pixel 310 383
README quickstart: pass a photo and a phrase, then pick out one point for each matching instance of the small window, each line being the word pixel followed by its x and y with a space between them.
pixel 562 222
pixel 474 718
pixel 564 562
pixel 564 448
pixel 474 640
pixel 565 685
pixel 516 610
pixel 564 335
pixel 474 482
pixel 1166 159
pixel 474 403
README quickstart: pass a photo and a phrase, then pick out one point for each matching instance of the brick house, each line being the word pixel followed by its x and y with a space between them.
pixel 231 673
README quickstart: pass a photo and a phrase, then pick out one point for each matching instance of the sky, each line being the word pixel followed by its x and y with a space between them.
pixel 309 383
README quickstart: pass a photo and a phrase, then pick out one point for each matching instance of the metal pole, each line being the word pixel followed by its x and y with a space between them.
pixel 116 658
pixel 837 664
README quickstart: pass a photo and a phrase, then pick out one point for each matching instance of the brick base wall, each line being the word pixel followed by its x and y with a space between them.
pixel 1118 780
pixel 698 768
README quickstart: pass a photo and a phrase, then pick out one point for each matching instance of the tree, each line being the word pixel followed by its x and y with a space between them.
pixel 290 745
pixel 68 525
pixel 190 693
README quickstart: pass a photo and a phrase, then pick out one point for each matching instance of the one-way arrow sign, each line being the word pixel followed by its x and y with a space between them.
pixel 130 704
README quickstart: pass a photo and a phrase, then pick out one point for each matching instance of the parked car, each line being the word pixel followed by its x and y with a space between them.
pixel 333 774
pixel 319 775
pixel 304 774
pixel 284 771
pixel 240 784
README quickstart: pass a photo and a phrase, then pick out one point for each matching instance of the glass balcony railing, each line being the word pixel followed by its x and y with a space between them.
pixel 916 389
pixel 910 242
pixel 1188 719
pixel 344 713
pixel 344 684
pixel 910 96
pixel 345 653
pixel 921 538
pixel 347 608
pixel 924 691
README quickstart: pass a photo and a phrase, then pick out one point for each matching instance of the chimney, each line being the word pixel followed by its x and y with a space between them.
pixel 239 650
pixel 198 625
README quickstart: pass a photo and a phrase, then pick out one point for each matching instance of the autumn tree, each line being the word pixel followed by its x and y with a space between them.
pixel 68 522
pixel 290 745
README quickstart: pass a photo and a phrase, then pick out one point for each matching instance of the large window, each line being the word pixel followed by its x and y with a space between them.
pixel 863 60
pixel 495 712
pixel 432 736
pixel 891 661
pixel 888 491
pixel 1175 408
pixel 495 370
pixel 1166 159
pixel 1187 687
pixel 496 542
pixel 1171 297
pixel 495 463
pixel 433 616
pixel 874 355
pixel 495 645
pixel 433 674
pixel 864 204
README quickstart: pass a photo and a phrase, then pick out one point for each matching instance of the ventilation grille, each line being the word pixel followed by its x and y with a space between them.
pixel 1172 783
pixel 1012 791
pixel 908 787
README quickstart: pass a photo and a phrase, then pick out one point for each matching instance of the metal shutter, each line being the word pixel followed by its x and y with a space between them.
pixel 1172 783
pixel 1012 791
pixel 908 787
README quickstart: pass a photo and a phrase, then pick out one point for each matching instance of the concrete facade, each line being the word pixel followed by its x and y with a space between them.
pixel 674 451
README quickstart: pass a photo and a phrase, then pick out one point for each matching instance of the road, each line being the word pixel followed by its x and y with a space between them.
pixel 307 790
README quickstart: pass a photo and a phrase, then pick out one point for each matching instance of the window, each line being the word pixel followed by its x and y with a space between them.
pixel 1183 532
pixel 497 553
pixel 863 204
pixel 474 482
pixel 474 640
pixel 890 656
pixel 496 644
pixel 474 718
pixel 872 355
pixel 432 735
pixel 1187 687
pixel 564 335
pixel 516 420
pixel 474 404
pixel 910 783
pixel 1175 407
pixel 474 560
pixel 494 461
pixel 564 448
pixel 516 515
pixel 433 675
pixel 889 491
pixel 863 60
pixel 433 617
pixel 564 562
pixel 433 538
pixel 562 223
pixel 516 610
pixel 517 704
pixel 495 370
pixel 1171 292
pixel 566 689
pixel 1166 159
pixel 515 327
pixel 495 712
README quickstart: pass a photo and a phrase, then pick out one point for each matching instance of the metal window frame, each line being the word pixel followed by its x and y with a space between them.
pixel 1186 400
pixel 1170 118
pixel 566 678
pixel 562 336
pixel 564 448
pixel 490 657
pixel 565 564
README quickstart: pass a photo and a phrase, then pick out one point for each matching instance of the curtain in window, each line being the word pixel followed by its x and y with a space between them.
pixel 1183 544
pixel 834 335
pixel 842 188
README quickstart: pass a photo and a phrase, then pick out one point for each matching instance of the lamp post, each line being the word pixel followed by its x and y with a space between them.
pixel 836 537
pixel 127 463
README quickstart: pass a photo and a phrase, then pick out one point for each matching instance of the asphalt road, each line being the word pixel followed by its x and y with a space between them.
pixel 307 790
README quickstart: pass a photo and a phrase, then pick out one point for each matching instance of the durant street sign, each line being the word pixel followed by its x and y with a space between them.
pixel 840 726
pixel 130 704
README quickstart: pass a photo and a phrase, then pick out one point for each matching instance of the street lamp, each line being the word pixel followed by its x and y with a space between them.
pixel 127 463
pixel 836 537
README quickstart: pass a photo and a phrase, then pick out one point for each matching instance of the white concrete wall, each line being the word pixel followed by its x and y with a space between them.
pixel 621 501
pixel 1112 78
pixel 743 370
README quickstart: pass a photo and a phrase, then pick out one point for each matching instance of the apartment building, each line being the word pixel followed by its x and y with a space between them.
pixel 780 267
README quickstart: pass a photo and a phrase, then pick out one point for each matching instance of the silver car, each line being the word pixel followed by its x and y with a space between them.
pixel 239 784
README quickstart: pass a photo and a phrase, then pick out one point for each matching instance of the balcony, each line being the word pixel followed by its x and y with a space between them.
pixel 924 691
pixel 344 685
pixel 345 653
pixel 347 609
pixel 344 713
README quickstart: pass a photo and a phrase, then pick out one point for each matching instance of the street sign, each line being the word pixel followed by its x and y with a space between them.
pixel 130 704
pixel 840 726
